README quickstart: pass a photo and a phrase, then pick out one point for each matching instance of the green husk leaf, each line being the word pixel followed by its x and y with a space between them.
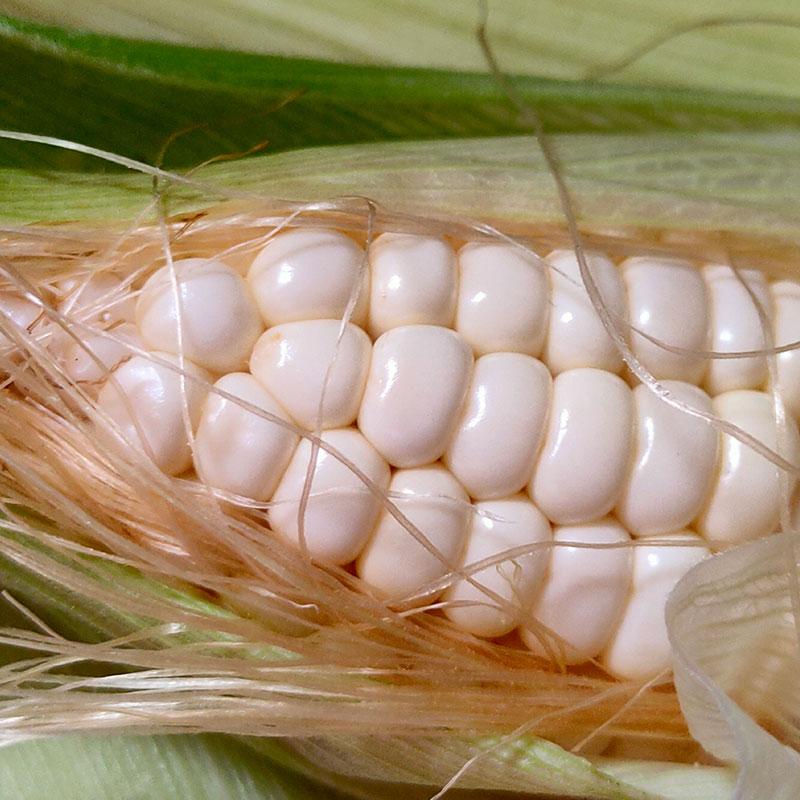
pixel 738 183
pixel 74 615
pixel 549 38
pixel 672 781
pixel 527 764
pixel 137 767
pixel 135 98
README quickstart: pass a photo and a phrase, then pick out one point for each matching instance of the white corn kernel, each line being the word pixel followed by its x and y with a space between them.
pixel 416 386
pixel 786 303
pixel 576 336
pixel 341 511
pixel 412 282
pixel 736 326
pixel 494 447
pixel 639 648
pixel 584 593
pixel 503 299
pixel 497 527
pixel 746 497
pixel 292 361
pixel 396 564
pixel 235 449
pixel 97 298
pixel 148 397
pixel 583 463
pixel 17 311
pixel 309 274
pixel 219 322
pixel 667 300
pixel 110 348
pixel 674 462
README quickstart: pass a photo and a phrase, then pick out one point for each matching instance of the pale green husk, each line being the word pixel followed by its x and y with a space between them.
pixel 549 38
pixel 146 767
pixel 739 183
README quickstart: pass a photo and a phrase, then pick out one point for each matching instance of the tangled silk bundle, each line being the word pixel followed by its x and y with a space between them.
pixel 188 615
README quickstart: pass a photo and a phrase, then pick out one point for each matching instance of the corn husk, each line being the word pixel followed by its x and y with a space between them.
pixel 180 107
pixel 739 46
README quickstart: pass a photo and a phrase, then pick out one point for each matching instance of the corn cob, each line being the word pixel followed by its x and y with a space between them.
pixel 480 389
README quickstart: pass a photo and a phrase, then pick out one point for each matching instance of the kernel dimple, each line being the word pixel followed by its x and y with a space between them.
pixel 584 593
pixel 639 648
pixel 583 462
pixel 674 462
pixel 219 322
pixel 745 500
pixel 494 447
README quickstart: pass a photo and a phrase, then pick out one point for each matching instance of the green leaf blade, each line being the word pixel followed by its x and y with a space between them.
pixel 549 38
pixel 147 768
pixel 133 98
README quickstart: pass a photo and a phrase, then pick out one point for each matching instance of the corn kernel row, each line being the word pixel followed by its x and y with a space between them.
pixel 489 405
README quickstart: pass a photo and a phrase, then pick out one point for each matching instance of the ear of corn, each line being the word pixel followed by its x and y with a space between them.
pixel 716 196
pixel 348 755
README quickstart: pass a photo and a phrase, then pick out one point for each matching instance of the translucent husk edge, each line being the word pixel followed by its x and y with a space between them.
pixel 714 195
